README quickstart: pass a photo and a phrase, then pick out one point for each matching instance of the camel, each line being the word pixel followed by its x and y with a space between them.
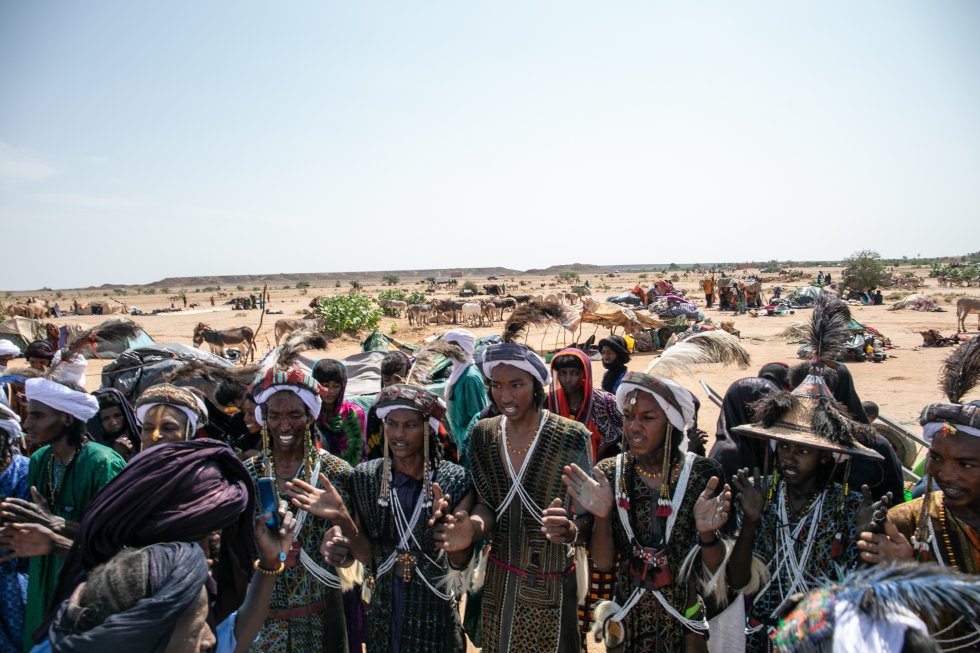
pixel 219 340
pixel 965 306
pixel 285 327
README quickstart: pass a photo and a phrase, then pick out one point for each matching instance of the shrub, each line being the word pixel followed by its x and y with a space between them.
pixel 302 284
pixel 389 280
pixel 392 294
pixel 415 297
pixel 864 269
pixel 470 285
pixel 350 314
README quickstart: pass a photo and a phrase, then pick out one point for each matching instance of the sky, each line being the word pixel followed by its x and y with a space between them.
pixel 143 140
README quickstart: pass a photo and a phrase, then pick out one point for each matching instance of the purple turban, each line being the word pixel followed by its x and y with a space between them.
pixel 177 492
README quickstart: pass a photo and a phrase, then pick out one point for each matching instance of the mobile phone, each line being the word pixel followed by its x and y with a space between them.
pixel 269 501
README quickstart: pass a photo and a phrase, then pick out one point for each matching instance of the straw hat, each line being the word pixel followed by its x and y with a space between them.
pixel 808 416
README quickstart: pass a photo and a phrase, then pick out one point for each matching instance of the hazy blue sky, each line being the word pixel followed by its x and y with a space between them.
pixel 140 140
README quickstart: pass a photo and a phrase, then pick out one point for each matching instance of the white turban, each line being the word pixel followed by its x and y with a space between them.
pixel 9 423
pixel 79 405
pixel 516 355
pixel 311 399
pixel 8 348
pixel 193 422
pixel 854 631
pixel 466 342
pixel 383 411
pixel 679 407
pixel 72 371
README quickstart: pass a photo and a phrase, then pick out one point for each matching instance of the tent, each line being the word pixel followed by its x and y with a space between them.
pixel 22 331
pixel 136 369
pixel 108 349
pixel 611 315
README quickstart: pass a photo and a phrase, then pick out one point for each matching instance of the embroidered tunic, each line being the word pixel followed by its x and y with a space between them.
pixel 529 596
pixel 828 557
pixel 648 626
pixel 318 622
pixel 422 621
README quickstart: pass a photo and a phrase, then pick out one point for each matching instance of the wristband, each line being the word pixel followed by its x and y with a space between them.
pixel 708 545
pixel 268 572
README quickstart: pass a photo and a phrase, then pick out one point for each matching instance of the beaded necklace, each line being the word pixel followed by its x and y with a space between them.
pixel 55 485
pixel 947 541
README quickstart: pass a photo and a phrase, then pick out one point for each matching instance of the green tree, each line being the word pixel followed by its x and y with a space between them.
pixel 568 275
pixel 864 269
pixel 389 280
pixel 415 297
pixel 470 285
pixel 303 284
pixel 350 314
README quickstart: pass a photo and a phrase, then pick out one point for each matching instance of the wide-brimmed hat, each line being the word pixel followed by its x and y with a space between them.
pixel 809 416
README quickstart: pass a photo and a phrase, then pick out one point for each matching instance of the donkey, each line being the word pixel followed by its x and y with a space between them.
pixel 218 340
pixel 965 306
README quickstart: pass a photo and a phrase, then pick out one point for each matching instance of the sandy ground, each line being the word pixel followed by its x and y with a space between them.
pixel 901 385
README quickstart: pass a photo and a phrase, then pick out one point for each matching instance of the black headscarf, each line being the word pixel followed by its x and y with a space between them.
pixel 778 373
pixel 732 451
pixel 98 433
pixel 845 393
pixel 176 573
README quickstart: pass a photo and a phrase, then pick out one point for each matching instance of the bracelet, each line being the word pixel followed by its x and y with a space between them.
pixel 708 545
pixel 269 572
pixel 575 526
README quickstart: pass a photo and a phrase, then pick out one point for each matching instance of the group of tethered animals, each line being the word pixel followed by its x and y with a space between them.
pixel 471 312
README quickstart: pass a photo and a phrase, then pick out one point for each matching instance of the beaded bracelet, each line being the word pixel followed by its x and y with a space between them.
pixel 269 572
pixel 574 537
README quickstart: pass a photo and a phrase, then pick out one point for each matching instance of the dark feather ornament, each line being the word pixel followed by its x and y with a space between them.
pixel 286 354
pixel 427 358
pixel 770 409
pixel 960 371
pixel 112 330
pixel 532 313
pixel 829 330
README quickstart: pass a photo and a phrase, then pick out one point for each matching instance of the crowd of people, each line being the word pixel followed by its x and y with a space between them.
pixel 523 506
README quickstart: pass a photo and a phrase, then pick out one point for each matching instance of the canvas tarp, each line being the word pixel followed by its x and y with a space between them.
pixel 611 315
pixel 136 369
pixel 21 331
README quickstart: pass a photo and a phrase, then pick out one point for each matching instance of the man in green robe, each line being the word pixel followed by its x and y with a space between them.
pixel 466 394
pixel 64 475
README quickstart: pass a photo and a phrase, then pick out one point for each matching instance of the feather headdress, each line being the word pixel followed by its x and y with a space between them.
pixel 700 349
pixel 960 371
pixel 429 357
pixel 213 379
pixel 881 601
pixel 114 329
pixel 285 355
pixel 827 334
pixel 532 313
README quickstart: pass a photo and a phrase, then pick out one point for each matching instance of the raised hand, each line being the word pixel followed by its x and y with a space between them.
pixel 271 543
pixel 13 509
pixel 558 527
pixel 871 516
pixel 25 541
pixel 711 512
pixel 453 531
pixel 890 546
pixel 323 502
pixel 440 505
pixel 749 494
pixel 335 547
pixel 593 494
